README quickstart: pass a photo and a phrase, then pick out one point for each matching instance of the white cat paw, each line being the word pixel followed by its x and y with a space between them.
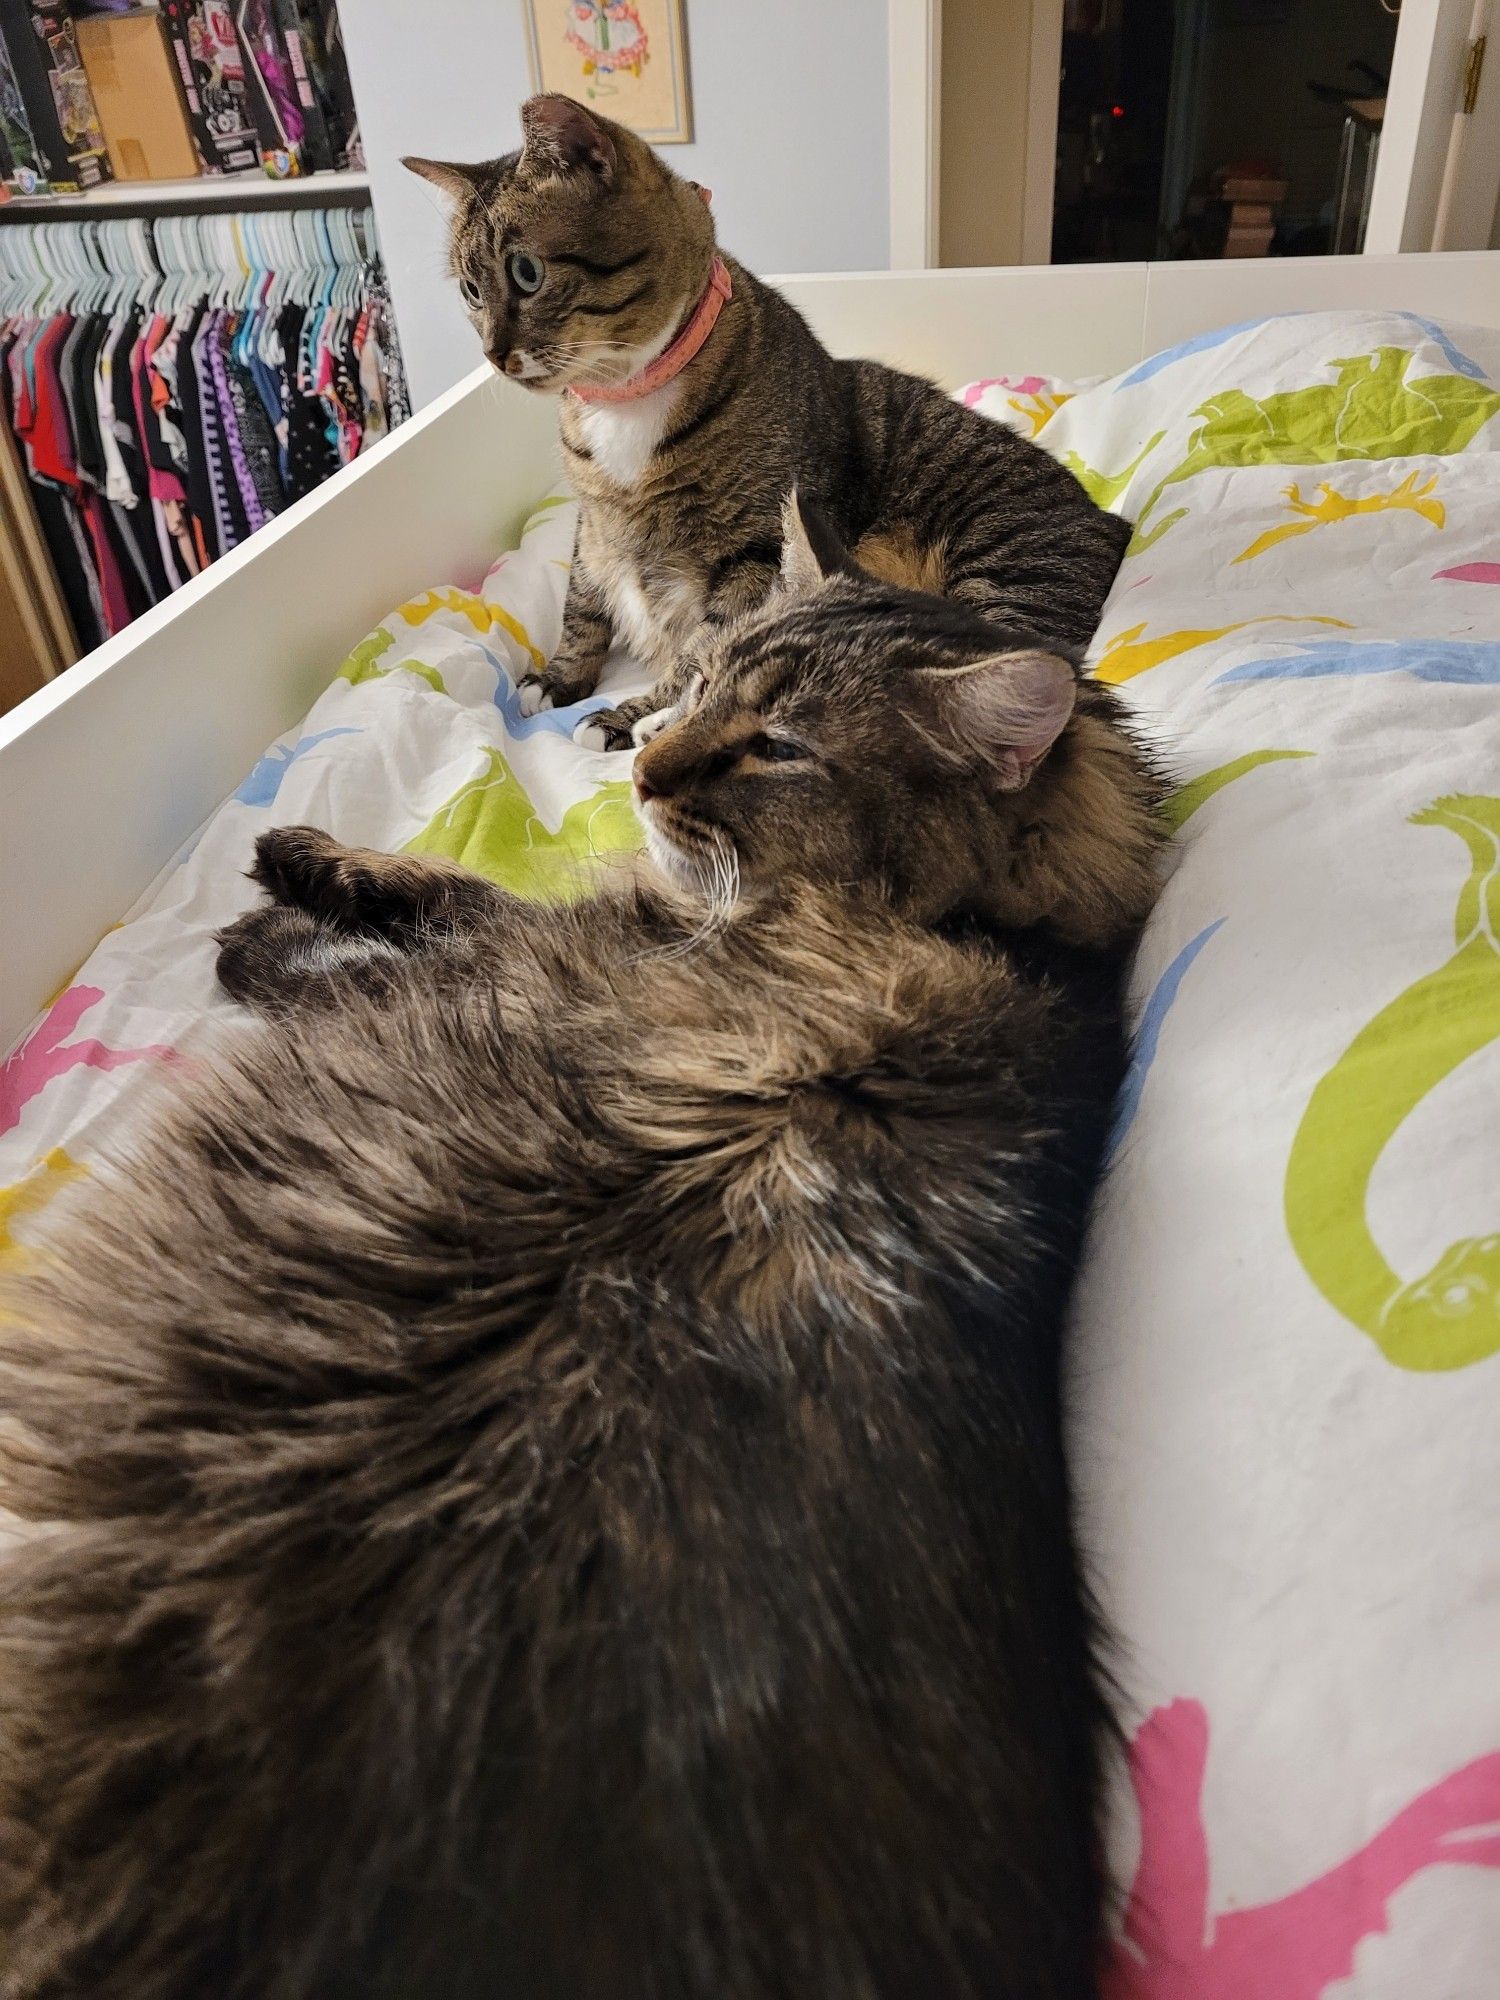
pixel 653 725
pixel 534 695
pixel 592 735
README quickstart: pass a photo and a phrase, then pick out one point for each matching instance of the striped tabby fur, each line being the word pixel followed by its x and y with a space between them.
pixel 681 490
pixel 551 1451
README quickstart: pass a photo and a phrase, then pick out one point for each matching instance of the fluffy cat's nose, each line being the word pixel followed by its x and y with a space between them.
pixel 644 789
pixel 514 364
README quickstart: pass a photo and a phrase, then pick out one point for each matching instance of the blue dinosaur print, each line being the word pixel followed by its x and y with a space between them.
pixel 547 721
pixel 1457 360
pixel 1203 343
pixel 1148 1035
pixel 1199 344
pixel 1461 662
pixel 264 782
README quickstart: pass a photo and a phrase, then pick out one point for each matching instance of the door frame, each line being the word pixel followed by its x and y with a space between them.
pixel 915 31
pixel 915 46
pixel 1043 87
pixel 1437 176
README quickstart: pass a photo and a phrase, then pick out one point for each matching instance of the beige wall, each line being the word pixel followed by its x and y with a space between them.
pixel 986 50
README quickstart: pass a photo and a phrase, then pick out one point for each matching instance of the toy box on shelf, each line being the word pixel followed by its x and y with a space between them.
pixel 211 66
pixel 67 142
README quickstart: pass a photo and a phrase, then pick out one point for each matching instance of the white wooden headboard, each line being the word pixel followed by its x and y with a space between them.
pixel 1094 319
pixel 108 770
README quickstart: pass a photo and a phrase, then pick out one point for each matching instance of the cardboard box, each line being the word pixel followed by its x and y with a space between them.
pixel 139 97
pixel 68 144
pixel 211 70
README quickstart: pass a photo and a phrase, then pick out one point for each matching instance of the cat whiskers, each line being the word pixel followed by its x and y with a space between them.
pixel 604 360
pixel 713 869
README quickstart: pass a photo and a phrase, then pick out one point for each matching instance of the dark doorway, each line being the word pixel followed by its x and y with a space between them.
pixel 1159 100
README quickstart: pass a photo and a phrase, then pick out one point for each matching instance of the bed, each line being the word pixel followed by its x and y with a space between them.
pixel 1286 1350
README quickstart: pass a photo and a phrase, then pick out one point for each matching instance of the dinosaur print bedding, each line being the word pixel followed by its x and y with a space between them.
pixel 1286 1357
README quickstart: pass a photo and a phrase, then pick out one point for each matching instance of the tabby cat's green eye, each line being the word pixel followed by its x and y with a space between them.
pixel 470 293
pixel 526 272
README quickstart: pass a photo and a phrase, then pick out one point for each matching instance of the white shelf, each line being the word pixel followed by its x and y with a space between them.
pixel 205 190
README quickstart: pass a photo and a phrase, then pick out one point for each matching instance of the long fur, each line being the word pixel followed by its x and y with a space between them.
pixel 545 1463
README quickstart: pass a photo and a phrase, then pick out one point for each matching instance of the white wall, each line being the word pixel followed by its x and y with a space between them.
pixel 789 108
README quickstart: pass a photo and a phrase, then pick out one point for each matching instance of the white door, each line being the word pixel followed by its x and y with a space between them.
pixel 1437 179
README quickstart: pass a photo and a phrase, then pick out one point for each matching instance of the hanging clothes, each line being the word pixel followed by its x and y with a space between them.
pixel 173 386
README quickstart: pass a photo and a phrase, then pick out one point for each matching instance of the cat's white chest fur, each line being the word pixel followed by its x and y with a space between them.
pixel 668 616
pixel 622 436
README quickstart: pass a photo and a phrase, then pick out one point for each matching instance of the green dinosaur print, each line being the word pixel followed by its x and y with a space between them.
pixel 1369 411
pixel 1451 1317
pixel 1186 800
pixel 544 507
pixel 1139 542
pixel 361 664
pixel 1105 488
pixel 491 826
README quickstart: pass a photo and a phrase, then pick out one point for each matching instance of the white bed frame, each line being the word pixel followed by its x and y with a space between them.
pixel 106 771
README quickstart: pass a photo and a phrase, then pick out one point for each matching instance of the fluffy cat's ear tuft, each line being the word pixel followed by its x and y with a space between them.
pixel 561 136
pixel 454 177
pixel 811 551
pixel 1007 710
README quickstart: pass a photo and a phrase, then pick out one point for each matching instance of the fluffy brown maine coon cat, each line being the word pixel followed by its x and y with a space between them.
pixel 589 267
pixel 551 1447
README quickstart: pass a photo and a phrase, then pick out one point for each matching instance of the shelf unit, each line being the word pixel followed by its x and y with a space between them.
pixel 207 191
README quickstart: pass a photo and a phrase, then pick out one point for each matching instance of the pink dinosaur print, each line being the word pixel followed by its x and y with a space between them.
pixel 1024 385
pixel 1475 572
pixel 1175 1948
pixel 47 1054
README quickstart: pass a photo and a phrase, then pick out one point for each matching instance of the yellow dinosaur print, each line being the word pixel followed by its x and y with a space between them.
pixel 1128 654
pixel 480 612
pixel 47 1179
pixel 1336 506
pixel 1037 411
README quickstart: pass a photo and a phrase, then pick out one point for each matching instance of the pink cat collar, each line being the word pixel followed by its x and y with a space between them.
pixel 672 360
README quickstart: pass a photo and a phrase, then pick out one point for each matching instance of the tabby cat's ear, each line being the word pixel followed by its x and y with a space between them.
pixel 452 176
pixel 562 135
pixel 1006 711
pixel 811 551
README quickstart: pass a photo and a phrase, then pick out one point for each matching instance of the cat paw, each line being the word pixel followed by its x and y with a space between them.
pixel 297 865
pixel 652 725
pixel 352 888
pixel 534 693
pixel 606 729
pixel 263 952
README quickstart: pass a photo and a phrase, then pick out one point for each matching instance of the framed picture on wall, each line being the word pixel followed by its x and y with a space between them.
pixel 624 58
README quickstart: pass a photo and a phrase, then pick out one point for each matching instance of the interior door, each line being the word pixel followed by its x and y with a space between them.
pixel 1437 179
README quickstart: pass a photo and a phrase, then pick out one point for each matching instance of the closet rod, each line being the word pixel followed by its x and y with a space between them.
pixel 208 191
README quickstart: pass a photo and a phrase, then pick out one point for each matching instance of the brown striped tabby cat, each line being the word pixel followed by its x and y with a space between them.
pixel 696 398
pixel 550 1452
